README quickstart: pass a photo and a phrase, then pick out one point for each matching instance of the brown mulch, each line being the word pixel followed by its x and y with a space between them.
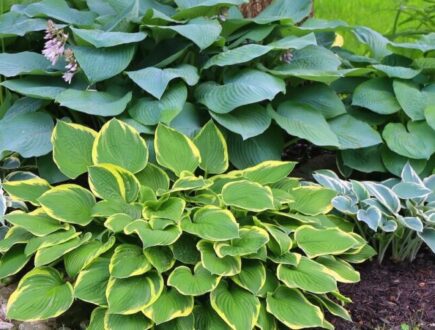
pixel 391 295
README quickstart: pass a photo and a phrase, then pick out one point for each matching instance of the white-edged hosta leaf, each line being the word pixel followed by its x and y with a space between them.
pixel 408 190
pixel 72 148
pixel 226 266
pixel 41 294
pixel 91 282
pixel 428 236
pixel 128 260
pixel 372 217
pixel 14 64
pixel 197 283
pixel 101 39
pixel 376 95
pixel 384 195
pixel 248 195
pixel 26 190
pixel 120 144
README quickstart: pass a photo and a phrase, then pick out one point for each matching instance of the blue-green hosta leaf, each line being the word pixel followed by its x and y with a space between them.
pixel 195 8
pixel 94 102
pixel 372 159
pixel 372 217
pixel 412 101
pixel 395 163
pixel 317 242
pixel 203 32
pixel 151 237
pixel 101 39
pixel 384 195
pixel 128 260
pixel 428 236
pixel 72 148
pixel 17 24
pixel 312 200
pixel 412 223
pixel 26 190
pixel 175 151
pixel 345 204
pixel 341 270
pixel 103 63
pixel 248 195
pixel 248 121
pixel 155 80
pixel 397 71
pixel 376 42
pixel 409 190
pixel 41 294
pixel 245 87
pixel 120 144
pixel 250 241
pixel 294 310
pixel 27 134
pixel 212 223
pixel 213 149
pixel 295 11
pixel 130 295
pixel 12 65
pixel 48 88
pixel 416 141
pixel 376 95
pixel 308 275
pixel 149 111
pixel 353 133
pixel 197 283
pixel 237 307
pixel 91 283
pixel 168 306
pixel 305 122
pixel 226 266
pixel 59 10
pixel 13 261
pixel 414 49
pixel 268 172
pixel 69 203
pixel 252 277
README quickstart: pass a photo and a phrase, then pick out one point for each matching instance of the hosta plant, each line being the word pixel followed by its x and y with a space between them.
pixel 177 244
pixel 268 81
pixel 397 215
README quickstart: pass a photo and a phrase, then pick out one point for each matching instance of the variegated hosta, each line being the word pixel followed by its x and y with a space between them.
pixel 401 212
pixel 160 246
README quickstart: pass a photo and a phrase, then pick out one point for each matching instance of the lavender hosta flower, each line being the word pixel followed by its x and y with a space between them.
pixel 286 56
pixel 71 67
pixel 55 45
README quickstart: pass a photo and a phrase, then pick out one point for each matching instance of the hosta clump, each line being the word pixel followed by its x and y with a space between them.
pixel 400 212
pixel 160 245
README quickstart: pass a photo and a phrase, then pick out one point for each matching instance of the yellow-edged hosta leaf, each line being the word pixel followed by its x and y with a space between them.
pixel 248 195
pixel 268 172
pixel 197 283
pixel 154 177
pixel 27 190
pixel 312 200
pixel 128 260
pixel 153 237
pixel 250 241
pixel 13 261
pixel 252 277
pixel 91 283
pixel 226 266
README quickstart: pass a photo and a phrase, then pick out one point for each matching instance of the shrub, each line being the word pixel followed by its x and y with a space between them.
pixel 264 80
pixel 401 213
pixel 158 245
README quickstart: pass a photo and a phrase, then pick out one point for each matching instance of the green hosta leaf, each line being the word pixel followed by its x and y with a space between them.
pixel 26 190
pixel 332 307
pixel 195 8
pixel 196 284
pixel 107 208
pixel 161 257
pixel 295 11
pixel 12 65
pixel 318 242
pixel 34 87
pixel 55 238
pixel 94 102
pixel 248 195
pixel 416 141
pixel 340 269
pixel 101 39
pixel 171 208
pixel 180 323
pixel 85 254
pixel 149 111
pixel 13 261
pixel 212 223
pixel 69 203
pixel 248 121
pixel 36 222
pixel 16 24
pixel 128 260
pixel 236 306
pixel 269 171
pixel 170 305
pixel 91 283
pixel 294 310
pixel 134 321
pixel 34 138
pixel 266 321
pixel 72 148
pixel 305 122
pixel 429 114
pixel 213 149
pixel 280 242
pixel 185 251
pixel 353 133
pixel 201 31
pixel 245 87
pixel 41 294
pixel 117 222
pixel 130 295
pixel 97 319
pixel 250 241
pixel 376 95
pixel 412 101
pixel 155 80
pixel 308 275
pixel 113 183
pixel 374 41
pixel 153 237
pixel 397 71
pixel 207 318
pixel 226 266
pixel 103 63
pixel 371 155
pixel 175 151
pixel 15 235
pixel 120 144
pixel 154 177
pixel 312 200
pixel 187 181
pixel 252 277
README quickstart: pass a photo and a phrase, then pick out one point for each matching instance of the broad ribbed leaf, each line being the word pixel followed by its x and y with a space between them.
pixel 166 208
pixel 269 171
pixel 312 200
pixel 26 190
pixel 128 260
pixel 376 95
pixel 55 238
pixel 153 177
pixel 151 237
pixel 295 11
pixel 340 269
pixel 412 101
pixel 428 236
pixel 101 39
pixel 397 71
pixel 13 261
pixel 250 241
pixel 36 222
pixel 197 283
pixel 15 64
pixel 132 321
pixel 226 266
pixel 16 24
pixel 47 89
pixel 252 277
pixel 91 283
pixel 248 195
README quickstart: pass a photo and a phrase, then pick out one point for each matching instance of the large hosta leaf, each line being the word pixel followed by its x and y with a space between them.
pixel 236 306
pixel 196 284
pixel 120 144
pixel 131 321
pixel 27 134
pixel 55 238
pixel 252 277
pixel 245 87
pixel 416 141
pixel 48 89
pixel 412 101
pixel 340 269
pixel 16 24
pixel 128 260
pixel 195 8
pixel 226 266
pixel 250 241
pixel 248 195
pixel 41 294
pixel 101 39
pixel 151 237
pixel 94 102
pixel 27 190
pixel 91 283
pixel 294 310
pixel 12 65
pixel 303 121
pixel 312 200
pixel 268 172
pixel 13 261
pixel 282 10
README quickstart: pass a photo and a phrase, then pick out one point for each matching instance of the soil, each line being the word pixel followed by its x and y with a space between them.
pixel 392 295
